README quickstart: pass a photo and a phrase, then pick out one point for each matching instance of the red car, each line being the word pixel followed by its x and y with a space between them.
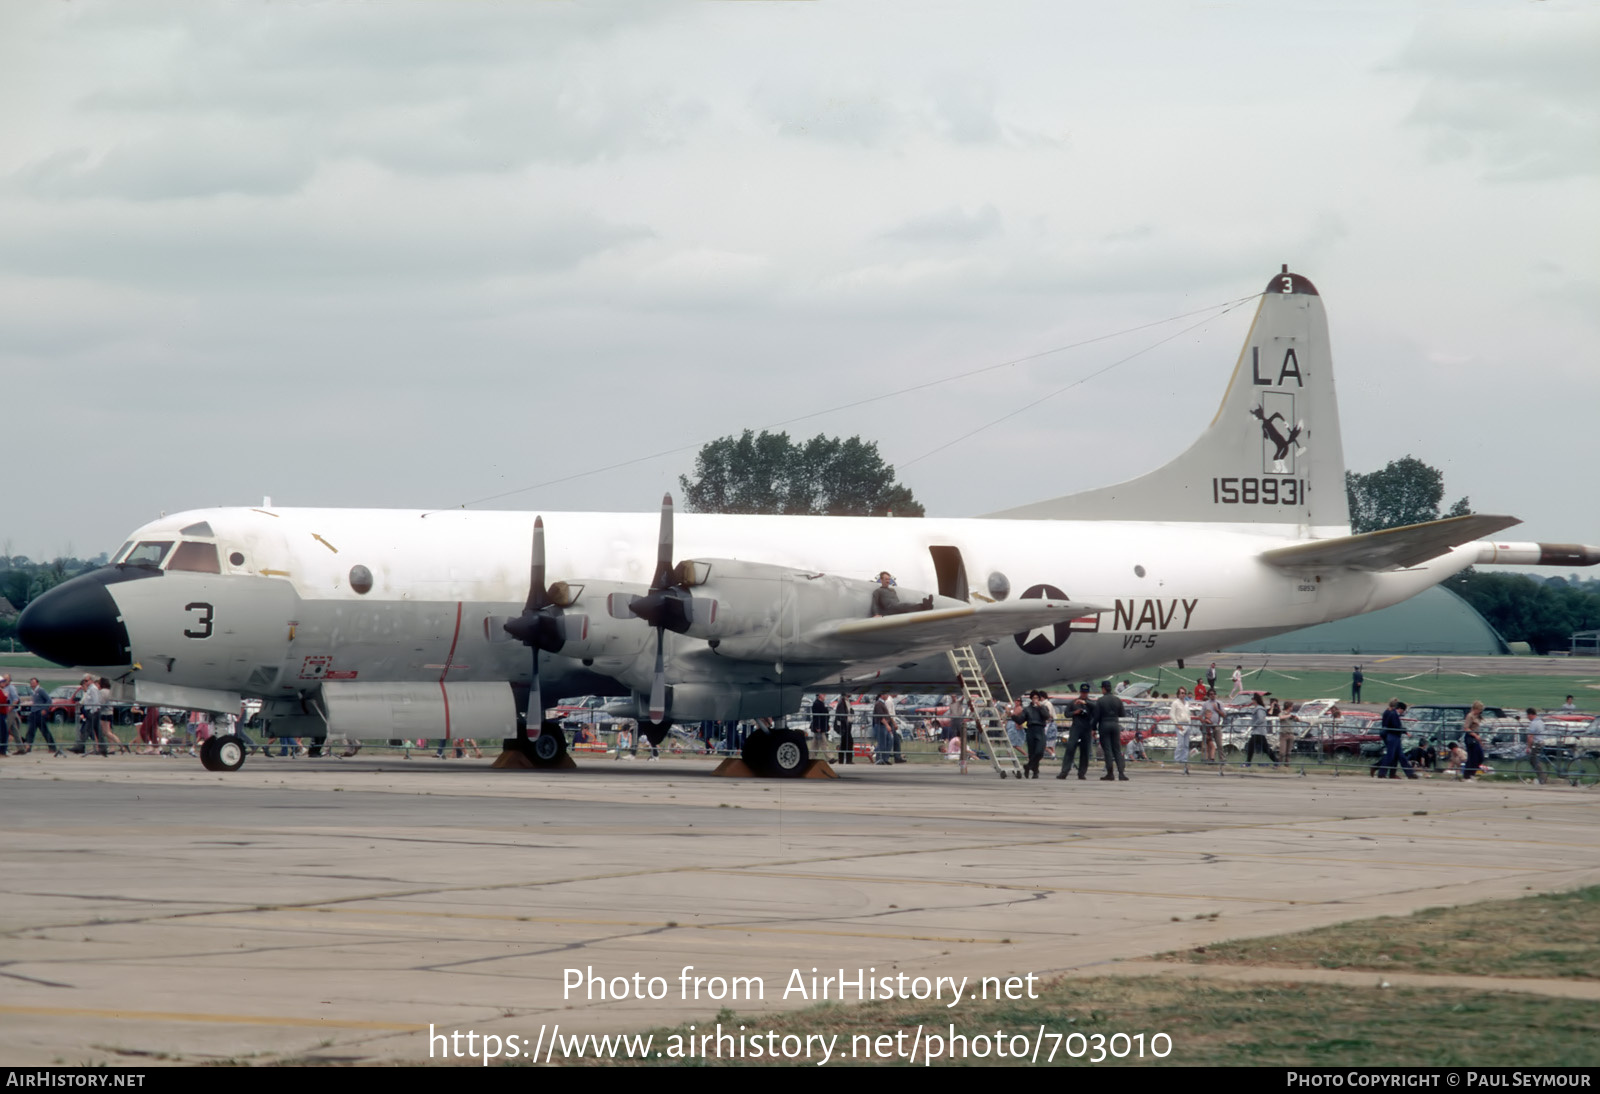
pixel 64 707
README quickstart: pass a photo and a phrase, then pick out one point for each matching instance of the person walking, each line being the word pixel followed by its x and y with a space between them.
pixel 1037 717
pixel 1536 758
pixel 1393 730
pixel 89 719
pixel 1258 732
pixel 39 716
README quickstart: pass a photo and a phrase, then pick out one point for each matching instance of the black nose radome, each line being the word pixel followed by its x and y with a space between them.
pixel 77 622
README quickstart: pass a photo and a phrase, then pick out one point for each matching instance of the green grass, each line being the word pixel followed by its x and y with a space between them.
pixel 1287 1022
pixel 1507 690
pixel 1555 936
pixel 1213 1024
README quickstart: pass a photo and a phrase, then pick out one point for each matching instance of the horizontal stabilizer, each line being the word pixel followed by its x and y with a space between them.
pixel 1391 548
pixel 942 628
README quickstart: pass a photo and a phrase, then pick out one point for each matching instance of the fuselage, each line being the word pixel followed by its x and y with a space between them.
pixel 273 602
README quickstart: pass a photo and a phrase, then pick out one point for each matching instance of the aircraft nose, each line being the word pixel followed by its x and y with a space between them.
pixel 77 623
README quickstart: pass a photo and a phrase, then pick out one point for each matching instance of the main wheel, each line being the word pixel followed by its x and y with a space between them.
pixel 208 754
pixel 227 753
pixel 790 756
pixel 758 749
pixel 549 746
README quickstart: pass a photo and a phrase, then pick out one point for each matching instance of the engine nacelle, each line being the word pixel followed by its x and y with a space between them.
pixel 760 611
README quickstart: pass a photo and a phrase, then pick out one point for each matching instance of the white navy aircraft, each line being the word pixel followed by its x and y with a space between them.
pixel 395 623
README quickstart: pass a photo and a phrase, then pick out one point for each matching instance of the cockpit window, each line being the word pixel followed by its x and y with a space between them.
pixel 149 553
pixel 121 552
pixel 198 557
pixel 200 529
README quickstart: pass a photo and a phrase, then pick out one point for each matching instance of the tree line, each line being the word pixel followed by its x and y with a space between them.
pixel 1523 608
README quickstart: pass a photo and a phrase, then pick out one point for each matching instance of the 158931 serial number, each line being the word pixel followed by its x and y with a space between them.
pixel 1265 491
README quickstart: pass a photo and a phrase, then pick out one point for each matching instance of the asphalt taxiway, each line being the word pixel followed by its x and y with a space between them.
pixel 335 910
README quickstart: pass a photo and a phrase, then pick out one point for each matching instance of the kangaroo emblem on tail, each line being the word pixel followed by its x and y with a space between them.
pixel 1271 432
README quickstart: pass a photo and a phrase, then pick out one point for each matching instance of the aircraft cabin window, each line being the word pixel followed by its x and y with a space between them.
pixel 236 559
pixel 149 553
pixel 200 529
pixel 361 579
pixel 200 558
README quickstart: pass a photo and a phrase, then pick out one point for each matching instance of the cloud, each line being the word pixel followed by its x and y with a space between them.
pixel 195 162
pixel 953 225
pixel 842 113
pixel 965 108
pixel 354 229
pixel 1517 92
pixel 429 89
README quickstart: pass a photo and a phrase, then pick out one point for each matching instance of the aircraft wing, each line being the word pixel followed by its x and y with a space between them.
pixel 1391 548
pixel 940 628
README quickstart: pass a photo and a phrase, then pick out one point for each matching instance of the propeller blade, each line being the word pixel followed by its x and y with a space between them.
pixel 663 575
pixel 535 715
pixel 658 685
pixel 536 594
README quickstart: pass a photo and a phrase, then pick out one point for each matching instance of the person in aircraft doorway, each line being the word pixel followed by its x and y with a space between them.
pixel 885 601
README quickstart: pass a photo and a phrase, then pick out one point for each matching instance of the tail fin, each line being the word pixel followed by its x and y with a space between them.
pixel 1272 454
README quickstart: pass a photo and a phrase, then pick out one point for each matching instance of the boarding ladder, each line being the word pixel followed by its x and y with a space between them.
pixel 974 681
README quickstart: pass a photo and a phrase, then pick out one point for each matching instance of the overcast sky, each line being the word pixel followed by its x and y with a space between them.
pixel 397 254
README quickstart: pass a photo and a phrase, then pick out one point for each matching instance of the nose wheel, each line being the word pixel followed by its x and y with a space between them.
pixel 225 753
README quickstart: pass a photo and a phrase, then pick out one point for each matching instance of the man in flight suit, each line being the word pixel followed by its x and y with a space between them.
pixel 1081 711
pixel 1108 712
pixel 1038 715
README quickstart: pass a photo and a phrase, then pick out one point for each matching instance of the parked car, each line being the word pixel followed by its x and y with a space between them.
pixel 64 707
pixel 1434 719
pixel 584 710
pixel 1350 735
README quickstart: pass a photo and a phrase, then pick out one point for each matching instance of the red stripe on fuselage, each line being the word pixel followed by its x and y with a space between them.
pixel 449 658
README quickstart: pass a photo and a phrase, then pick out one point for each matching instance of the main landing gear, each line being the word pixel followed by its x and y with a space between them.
pixel 778 753
pixel 225 753
pixel 547 750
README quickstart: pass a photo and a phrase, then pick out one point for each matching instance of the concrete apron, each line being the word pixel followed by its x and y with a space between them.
pixel 334 910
